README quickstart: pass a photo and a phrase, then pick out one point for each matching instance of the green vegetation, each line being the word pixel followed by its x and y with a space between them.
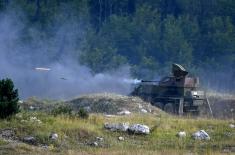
pixel 82 113
pixel 75 134
pixel 146 34
pixel 66 110
pixel 62 109
pixel 8 98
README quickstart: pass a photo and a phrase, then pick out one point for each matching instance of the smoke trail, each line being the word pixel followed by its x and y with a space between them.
pixel 34 71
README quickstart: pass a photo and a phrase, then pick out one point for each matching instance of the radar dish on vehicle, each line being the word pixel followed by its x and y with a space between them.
pixel 178 71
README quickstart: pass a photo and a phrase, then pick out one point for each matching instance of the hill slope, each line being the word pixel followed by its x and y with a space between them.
pixel 112 103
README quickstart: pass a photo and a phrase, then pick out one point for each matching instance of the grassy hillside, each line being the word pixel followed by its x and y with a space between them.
pixel 77 135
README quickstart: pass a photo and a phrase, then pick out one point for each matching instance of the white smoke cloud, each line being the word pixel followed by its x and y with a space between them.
pixel 65 78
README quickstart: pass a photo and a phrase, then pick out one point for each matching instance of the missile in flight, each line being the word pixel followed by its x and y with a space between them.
pixel 42 69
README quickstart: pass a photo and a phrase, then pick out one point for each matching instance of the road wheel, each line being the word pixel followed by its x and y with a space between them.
pixel 169 108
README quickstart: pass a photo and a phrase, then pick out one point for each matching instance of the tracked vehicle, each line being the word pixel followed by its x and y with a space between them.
pixel 176 94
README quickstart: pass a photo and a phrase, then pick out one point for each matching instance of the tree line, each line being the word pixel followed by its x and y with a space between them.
pixel 148 35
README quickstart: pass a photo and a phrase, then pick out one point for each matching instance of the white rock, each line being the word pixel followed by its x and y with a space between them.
pixel 99 138
pixel 139 128
pixel 117 126
pixel 144 111
pixel 23 121
pixel 94 144
pixel 109 116
pixel 121 138
pixel 31 107
pixel 19 115
pixel 124 112
pixel 38 121
pixel 231 125
pixel 181 134
pixel 201 135
pixel 33 119
pixel 20 101
pixel 54 136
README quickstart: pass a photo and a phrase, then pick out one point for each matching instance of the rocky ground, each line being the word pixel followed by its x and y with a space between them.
pixel 116 122
pixel 109 103
pixel 105 103
pixel 222 105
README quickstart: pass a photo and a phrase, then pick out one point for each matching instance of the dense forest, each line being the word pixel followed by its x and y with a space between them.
pixel 147 35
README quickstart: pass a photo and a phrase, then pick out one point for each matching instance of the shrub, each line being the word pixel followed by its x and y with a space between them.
pixel 8 98
pixel 83 113
pixel 62 109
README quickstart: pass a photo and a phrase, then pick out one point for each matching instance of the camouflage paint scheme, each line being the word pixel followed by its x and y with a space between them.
pixel 176 94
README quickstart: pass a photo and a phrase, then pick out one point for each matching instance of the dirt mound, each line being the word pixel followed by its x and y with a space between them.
pixel 36 104
pixel 112 103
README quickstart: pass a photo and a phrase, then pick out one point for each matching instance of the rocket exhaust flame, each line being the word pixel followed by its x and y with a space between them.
pixel 131 81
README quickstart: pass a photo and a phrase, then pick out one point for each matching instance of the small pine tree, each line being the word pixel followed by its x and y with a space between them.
pixel 8 98
pixel 62 110
pixel 82 113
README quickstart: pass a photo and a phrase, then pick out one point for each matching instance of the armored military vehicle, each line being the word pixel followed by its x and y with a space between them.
pixel 177 94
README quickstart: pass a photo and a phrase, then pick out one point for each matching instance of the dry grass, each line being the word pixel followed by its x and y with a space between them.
pixel 76 133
